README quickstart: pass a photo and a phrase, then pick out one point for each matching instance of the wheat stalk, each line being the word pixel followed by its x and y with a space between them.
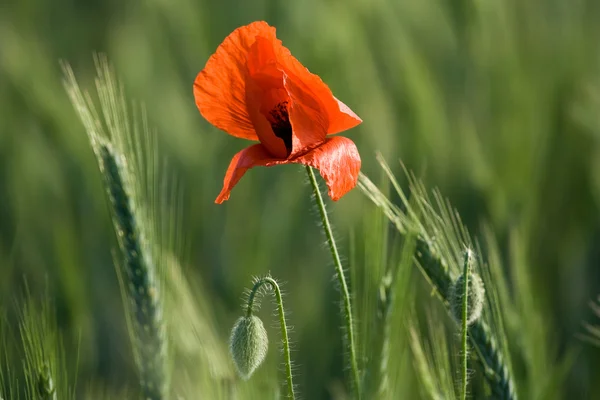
pixel 126 157
pixel 440 245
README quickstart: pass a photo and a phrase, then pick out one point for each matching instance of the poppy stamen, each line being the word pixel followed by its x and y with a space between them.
pixel 280 123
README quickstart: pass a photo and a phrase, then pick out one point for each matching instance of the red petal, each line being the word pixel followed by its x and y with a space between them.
pixel 337 159
pixel 264 90
pixel 307 116
pixel 220 88
pixel 267 86
pixel 338 115
pixel 256 155
pixel 341 118
pixel 339 163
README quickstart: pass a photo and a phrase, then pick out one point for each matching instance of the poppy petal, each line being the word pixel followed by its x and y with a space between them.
pixel 341 118
pixel 339 163
pixel 253 156
pixel 264 90
pixel 338 115
pixel 307 116
pixel 264 131
pixel 267 81
pixel 337 160
pixel 220 88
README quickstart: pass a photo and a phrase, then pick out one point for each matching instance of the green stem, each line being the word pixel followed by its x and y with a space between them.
pixel 284 331
pixel 341 280
pixel 465 301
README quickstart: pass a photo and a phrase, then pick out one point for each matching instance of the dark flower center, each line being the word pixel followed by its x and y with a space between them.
pixel 280 123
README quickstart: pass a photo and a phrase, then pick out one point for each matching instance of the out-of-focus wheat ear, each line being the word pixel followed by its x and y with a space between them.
pixel 126 154
pixel 46 389
pixel 192 328
pixel 138 279
pixel 432 356
pixel 592 331
pixel 8 380
pixel 98 391
pixel 393 290
pixel 44 364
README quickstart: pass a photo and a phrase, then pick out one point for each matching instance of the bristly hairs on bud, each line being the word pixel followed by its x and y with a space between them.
pixel 249 342
pixel 248 345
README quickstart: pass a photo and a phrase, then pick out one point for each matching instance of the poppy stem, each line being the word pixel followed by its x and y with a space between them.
pixel 465 306
pixel 282 323
pixel 347 306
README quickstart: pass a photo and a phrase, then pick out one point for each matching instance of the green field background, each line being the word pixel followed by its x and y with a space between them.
pixel 496 102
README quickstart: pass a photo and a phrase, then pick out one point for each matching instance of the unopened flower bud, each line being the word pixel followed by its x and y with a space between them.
pixel 476 297
pixel 248 345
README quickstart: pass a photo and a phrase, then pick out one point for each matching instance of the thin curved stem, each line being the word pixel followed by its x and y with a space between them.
pixel 347 306
pixel 465 302
pixel 283 325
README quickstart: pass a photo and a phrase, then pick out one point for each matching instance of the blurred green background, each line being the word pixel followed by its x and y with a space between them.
pixel 497 102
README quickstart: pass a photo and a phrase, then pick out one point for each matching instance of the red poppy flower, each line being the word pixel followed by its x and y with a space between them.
pixel 253 88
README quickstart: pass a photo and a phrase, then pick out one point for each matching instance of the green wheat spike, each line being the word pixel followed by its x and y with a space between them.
pixel 442 238
pixel 140 281
pixel 125 156
pixel 480 334
pixel 44 364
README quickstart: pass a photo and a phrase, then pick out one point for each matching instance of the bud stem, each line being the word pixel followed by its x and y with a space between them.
pixel 284 331
pixel 347 306
pixel 465 301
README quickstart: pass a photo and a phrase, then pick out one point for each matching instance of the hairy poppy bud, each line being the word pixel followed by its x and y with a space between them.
pixel 475 299
pixel 248 345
